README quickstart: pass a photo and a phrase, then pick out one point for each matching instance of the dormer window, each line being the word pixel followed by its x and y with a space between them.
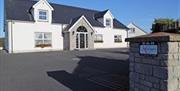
pixel 108 22
pixel 43 15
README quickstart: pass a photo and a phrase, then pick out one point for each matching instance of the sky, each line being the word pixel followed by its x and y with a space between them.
pixel 140 12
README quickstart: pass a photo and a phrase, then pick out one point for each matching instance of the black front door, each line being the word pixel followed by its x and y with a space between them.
pixel 82 40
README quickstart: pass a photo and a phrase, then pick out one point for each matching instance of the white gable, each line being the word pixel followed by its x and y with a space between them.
pixel 43 5
pixel 135 30
pixel 132 25
pixel 108 15
pixel 82 17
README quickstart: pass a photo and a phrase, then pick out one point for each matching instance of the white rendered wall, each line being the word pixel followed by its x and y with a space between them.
pixel 108 38
pixel 24 36
pixel 9 34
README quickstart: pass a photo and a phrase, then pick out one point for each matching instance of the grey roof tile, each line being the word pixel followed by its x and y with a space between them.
pixel 100 14
pixel 19 10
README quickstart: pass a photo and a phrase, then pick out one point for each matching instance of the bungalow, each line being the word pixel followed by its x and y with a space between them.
pixel 33 26
pixel 135 30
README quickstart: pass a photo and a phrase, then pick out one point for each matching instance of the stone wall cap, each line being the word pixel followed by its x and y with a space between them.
pixel 156 37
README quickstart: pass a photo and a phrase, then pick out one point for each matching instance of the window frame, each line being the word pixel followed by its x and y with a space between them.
pixel 43 39
pixel 96 40
pixel 46 15
pixel 118 39
pixel 132 30
pixel 109 23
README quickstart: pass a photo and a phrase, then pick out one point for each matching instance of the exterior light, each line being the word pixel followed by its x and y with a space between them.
pixel 73 33
pixel 91 33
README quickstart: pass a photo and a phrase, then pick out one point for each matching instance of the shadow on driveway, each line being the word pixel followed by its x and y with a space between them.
pixel 95 74
pixel 116 50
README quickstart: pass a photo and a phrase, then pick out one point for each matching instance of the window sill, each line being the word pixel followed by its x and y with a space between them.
pixel 98 41
pixel 43 46
pixel 118 42
pixel 131 32
pixel 43 20
pixel 108 27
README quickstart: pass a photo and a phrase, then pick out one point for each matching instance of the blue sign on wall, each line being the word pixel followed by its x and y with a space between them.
pixel 148 48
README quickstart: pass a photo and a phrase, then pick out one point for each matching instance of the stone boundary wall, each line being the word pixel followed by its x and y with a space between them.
pixel 155 73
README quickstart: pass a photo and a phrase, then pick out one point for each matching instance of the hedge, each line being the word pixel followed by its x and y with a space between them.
pixel 1 42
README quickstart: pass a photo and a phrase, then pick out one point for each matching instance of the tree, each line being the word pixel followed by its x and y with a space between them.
pixel 164 25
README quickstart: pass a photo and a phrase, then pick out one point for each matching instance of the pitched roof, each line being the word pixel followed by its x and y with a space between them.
pixel 100 14
pixel 75 20
pixel 19 10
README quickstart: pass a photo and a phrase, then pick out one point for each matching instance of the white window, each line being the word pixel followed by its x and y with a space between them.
pixel 117 38
pixel 43 40
pixel 108 22
pixel 98 38
pixel 132 30
pixel 43 15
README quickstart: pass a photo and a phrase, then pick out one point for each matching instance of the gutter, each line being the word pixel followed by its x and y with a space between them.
pixel 11 36
pixel 127 37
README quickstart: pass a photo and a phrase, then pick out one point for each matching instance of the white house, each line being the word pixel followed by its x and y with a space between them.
pixel 134 30
pixel 33 26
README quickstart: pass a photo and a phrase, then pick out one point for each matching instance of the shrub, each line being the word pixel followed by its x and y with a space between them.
pixel 165 25
pixel 1 42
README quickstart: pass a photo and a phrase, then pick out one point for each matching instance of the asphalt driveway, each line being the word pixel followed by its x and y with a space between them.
pixel 92 70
